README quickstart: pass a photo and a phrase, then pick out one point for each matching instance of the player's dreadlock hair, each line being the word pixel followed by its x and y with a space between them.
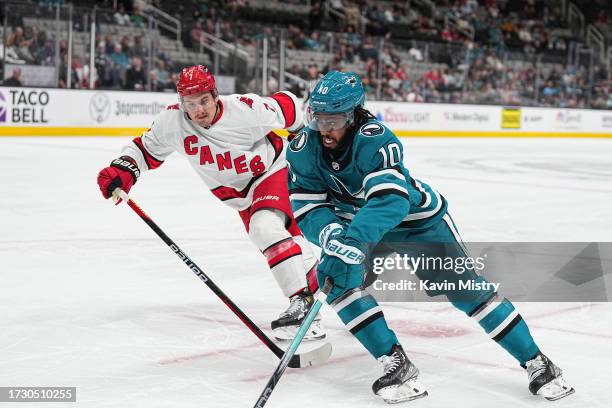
pixel 362 115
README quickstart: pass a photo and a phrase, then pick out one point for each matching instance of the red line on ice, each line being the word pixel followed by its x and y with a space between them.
pixel 198 356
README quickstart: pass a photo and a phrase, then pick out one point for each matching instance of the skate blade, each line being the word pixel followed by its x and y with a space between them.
pixel 409 391
pixel 287 333
pixel 556 389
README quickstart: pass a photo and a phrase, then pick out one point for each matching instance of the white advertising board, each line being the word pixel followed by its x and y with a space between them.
pixel 42 112
pixel 59 107
pixel 461 120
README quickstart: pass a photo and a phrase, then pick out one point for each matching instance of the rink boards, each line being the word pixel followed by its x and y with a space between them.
pixel 60 112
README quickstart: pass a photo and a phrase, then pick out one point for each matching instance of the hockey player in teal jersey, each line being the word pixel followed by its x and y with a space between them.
pixel 352 196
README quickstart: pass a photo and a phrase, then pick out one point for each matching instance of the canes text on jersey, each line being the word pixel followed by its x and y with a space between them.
pixel 224 161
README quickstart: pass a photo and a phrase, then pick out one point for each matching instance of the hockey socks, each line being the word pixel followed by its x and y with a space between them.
pixel 364 318
pixel 502 322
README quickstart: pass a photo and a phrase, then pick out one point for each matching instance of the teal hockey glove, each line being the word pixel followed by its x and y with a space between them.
pixel 342 267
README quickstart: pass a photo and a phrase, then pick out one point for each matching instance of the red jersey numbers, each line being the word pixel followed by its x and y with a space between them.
pixel 223 161
pixel 268 107
pixel 247 100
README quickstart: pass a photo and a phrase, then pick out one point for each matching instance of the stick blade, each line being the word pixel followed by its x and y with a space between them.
pixel 312 357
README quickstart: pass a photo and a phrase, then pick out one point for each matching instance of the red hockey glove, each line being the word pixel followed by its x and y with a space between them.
pixel 122 172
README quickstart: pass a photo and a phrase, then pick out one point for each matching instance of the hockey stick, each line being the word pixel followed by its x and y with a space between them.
pixel 290 353
pixel 309 358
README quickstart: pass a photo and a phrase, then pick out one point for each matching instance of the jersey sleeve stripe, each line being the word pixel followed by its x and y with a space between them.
pixel 152 162
pixel 440 204
pixel 308 197
pixel 277 144
pixel 426 197
pixel 386 192
pixel 305 191
pixel 301 212
pixel 287 107
pixel 386 186
pixel 392 172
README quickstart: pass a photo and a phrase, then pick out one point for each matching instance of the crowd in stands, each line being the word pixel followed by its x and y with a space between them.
pixel 473 51
pixel 475 39
pixel 120 63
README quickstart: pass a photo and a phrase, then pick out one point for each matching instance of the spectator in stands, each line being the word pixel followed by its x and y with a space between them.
pixel 138 49
pixel 45 54
pixel 20 44
pixel 63 81
pixel 63 48
pixel 15 79
pixel 102 64
pixel 120 58
pixel 161 74
pixel 110 44
pixel 197 35
pixel 154 82
pixel 415 94
pixel 135 77
pixel 449 34
pixel 120 63
pixel 353 16
pixel 82 73
pixel 32 36
pixel 171 84
pixel 227 33
pixel 137 18
pixel 121 17
pixel 313 43
pixel 126 45
pixel 315 16
pixel 300 43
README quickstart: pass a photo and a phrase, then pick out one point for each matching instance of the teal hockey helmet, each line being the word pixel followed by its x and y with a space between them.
pixel 334 98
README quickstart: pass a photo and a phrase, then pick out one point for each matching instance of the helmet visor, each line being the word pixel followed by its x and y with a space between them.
pixel 202 99
pixel 327 122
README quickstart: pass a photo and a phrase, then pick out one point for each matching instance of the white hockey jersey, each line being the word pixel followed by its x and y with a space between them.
pixel 235 154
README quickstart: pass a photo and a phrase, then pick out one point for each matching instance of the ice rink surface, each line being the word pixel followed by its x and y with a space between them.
pixel 90 297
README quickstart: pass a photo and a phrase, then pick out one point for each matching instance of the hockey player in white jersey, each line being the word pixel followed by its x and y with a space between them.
pixel 230 143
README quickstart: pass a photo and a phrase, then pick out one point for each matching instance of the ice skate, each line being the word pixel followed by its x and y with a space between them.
pixel 399 383
pixel 546 379
pixel 285 327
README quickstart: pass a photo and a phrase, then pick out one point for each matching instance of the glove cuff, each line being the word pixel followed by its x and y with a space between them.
pixel 127 163
pixel 347 253
pixel 332 228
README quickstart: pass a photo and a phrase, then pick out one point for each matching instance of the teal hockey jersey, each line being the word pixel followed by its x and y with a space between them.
pixel 367 188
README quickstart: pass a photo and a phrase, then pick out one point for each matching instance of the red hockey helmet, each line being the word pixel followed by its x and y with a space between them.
pixel 196 79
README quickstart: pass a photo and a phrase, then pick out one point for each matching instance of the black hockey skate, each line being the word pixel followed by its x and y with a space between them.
pixel 399 383
pixel 287 324
pixel 545 379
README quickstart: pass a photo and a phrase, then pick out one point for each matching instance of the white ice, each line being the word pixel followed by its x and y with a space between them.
pixel 90 297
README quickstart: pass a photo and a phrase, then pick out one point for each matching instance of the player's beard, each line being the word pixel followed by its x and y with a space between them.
pixel 329 142
pixel 341 142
